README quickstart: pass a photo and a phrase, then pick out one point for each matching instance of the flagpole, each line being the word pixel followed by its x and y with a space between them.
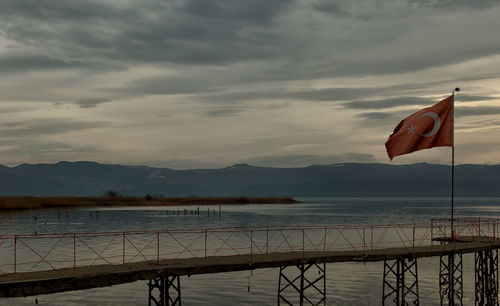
pixel 453 161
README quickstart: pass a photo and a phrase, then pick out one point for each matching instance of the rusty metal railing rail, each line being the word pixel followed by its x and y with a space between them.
pixel 29 252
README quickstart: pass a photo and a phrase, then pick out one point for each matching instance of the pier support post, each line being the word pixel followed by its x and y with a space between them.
pixel 400 282
pixel 304 288
pixel 451 279
pixel 165 290
pixel 486 278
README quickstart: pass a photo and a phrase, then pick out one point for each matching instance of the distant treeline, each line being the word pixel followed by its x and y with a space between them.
pixel 28 202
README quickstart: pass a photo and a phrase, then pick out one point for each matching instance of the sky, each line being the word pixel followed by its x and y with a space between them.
pixel 209 83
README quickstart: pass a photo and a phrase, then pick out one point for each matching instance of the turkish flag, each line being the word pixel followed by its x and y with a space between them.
pixel 427 128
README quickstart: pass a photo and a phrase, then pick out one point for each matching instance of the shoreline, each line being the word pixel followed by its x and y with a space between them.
pixel 22 203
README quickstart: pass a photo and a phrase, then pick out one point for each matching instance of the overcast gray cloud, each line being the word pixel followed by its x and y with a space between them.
pixel 388 103
pixel 409 101
pixel 26 63
pixel 91 102
pixel 223 111
pixel 376 116
pixel 472 98
pixel 40 127
pixel 194 31
pixel 460 111
pixel 322 95
pixel 170 85
pixel 212 82
pixel 477 111
pixel 208 32
pixel 454 4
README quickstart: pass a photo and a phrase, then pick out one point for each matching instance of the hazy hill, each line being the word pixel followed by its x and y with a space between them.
pixel 90 179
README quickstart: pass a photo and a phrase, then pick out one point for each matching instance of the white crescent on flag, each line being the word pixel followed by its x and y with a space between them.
pixel 437 123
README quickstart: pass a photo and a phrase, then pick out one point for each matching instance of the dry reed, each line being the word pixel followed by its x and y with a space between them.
pixel 30 202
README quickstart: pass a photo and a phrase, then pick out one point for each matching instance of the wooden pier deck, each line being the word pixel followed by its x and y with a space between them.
pixel 94 276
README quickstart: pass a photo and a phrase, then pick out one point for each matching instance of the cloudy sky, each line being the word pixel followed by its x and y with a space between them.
pixel 210 83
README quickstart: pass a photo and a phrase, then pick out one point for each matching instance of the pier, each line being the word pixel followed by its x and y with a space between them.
pixel 49 263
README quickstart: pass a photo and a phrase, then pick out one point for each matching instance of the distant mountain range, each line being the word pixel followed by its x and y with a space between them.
pixel 340 180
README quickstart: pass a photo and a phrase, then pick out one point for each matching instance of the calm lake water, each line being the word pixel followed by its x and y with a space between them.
pixel 347 283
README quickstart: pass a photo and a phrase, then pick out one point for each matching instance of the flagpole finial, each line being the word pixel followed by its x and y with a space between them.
pixel 457 89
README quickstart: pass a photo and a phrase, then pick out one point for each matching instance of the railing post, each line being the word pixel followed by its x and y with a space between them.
pixel 206 234
pixel 74 255
pixel 432 231
pixel 495 230
pixel 371 237
pixel 15 253
pixel 267 240
pixel 413 240
pixel 303 243
pixel 158 248
pixel 123 248
pixel 251 246
pixel 478 228
pixel 324 240
pixel 364 241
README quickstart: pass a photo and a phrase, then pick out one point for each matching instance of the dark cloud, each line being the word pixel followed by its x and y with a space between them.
pixel 198 32
pixel 34 148
pixel 376 116
pixel 257 12
pixel 460 111
pixel 319 95
pixel 223 112
pixel 54 9
pixel 390 119
pixel 388 103
pixel 243 96
pixel 331 7
pixel 332 94
pixel 482 122
pixel 169 85
pixel 464 111
pixel 11 109
pixel 454 4
pixel 35 128
pixel 40 151
pixel 410 101
pixel 91 102
pixel 358 94
pixel 25 63
pixel 152 31
pixel 379 119
pixel 474 98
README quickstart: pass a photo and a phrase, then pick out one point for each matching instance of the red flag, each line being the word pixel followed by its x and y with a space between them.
pixel 427 128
